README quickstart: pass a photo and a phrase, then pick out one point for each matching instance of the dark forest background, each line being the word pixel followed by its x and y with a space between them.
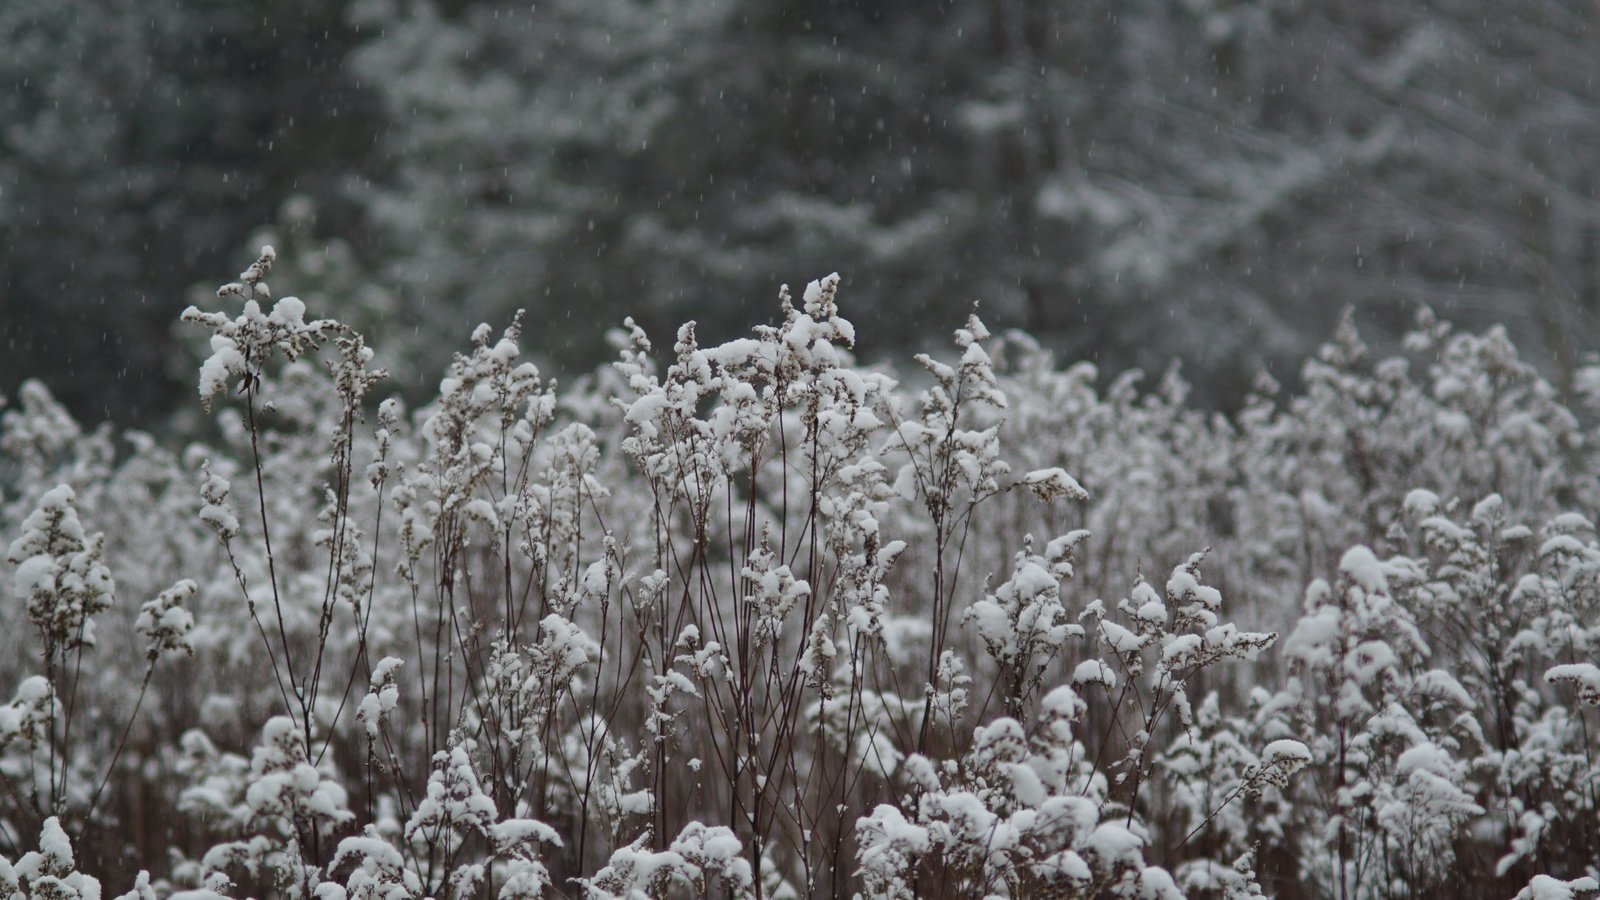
pixel 1130 180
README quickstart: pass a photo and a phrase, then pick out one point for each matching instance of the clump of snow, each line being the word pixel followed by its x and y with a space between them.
pixel 1050 484
pixel 1362 567
pixel 1583 676
pixel 1545 887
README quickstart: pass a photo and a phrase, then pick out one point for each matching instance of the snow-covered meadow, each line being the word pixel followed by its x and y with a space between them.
pixel 752 620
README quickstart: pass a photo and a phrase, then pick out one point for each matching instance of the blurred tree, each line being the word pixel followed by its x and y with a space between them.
pixel 140 143
pixel 1132 180
pixel 667 160
pixel 1213 179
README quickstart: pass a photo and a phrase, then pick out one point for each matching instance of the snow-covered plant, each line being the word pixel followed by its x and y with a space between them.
pixel 1526 601
pixel 62 580
pixel 752 619
pixel 1390 755
pixel 293 810
pixel 1171 638
pixel 60 575
pixel 701 859
pixel 1023 625
pixel 950 467
pixel 49 873
pixel 1020 815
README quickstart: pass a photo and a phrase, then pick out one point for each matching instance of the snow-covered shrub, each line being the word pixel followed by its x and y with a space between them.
pixel 753 620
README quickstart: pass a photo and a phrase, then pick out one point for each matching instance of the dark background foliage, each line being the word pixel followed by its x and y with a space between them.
pixel 1130 181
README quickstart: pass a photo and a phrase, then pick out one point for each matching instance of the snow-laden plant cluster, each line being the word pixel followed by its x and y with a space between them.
pixel 752 620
